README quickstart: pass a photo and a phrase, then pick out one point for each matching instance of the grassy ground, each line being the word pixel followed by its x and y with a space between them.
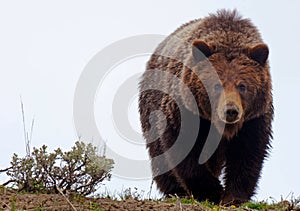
pixel 11 200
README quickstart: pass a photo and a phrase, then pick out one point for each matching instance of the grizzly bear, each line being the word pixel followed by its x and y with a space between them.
pixel 206 109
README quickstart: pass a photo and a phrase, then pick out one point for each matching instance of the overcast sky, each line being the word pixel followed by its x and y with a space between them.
pixel 44 47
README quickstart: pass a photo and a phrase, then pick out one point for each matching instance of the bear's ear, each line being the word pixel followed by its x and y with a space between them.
pixel 200 50
pixel 259 53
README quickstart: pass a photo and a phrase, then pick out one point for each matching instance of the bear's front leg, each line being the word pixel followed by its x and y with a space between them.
pixel 244 158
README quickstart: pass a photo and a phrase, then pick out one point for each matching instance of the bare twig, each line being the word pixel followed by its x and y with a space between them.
pixel 24 126
pixel 31 129
pixel 149 195
pixel 8 182
pixel 104 149
pixel 7 206
pixel 178 202
pixel 66 198
pixel 27 135
pixel 4 170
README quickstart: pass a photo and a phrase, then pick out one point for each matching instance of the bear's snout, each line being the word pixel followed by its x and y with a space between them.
pixel 230 109
pixel 231 114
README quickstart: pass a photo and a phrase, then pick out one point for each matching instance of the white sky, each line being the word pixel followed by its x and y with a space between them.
pixel 44 47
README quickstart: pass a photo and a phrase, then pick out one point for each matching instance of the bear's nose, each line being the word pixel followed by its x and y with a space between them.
pixel 231 113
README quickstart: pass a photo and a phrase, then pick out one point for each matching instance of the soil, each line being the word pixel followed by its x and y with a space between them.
pixel 10 200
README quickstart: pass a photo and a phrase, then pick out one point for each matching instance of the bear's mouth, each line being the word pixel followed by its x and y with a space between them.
pixel 231 130
pixel 228 131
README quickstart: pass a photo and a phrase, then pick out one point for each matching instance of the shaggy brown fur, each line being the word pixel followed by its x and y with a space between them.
pixel 237 105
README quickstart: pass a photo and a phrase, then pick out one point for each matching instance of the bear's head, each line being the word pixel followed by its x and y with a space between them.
pixel 230 88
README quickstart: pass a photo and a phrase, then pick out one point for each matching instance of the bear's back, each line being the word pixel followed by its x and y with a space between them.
pixel 225 32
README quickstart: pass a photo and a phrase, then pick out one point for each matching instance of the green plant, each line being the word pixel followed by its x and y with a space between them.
pixel 95 206
pixel 79 170
pixel 256 205
pixel 188 201
pixel 284 205
pixel 13 203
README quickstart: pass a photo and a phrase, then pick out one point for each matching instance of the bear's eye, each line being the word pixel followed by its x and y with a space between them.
pixel 242 88
pixel 218 87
